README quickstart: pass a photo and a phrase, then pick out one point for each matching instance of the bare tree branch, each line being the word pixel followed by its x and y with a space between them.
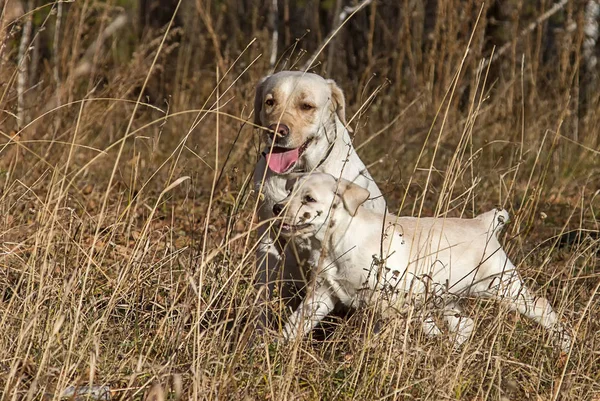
pixel 590 28
pixel 337 20
pixel 530 28
pixel 85 65
pixel 56 49
pixel 23 65
pixel 351 10
pixel 345 15
pixel 274 22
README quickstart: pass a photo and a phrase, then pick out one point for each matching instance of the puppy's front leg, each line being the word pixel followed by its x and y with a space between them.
pixel 459 325
pixel 316 305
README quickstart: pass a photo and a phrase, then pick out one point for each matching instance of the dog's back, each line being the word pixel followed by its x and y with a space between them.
pixel 453 252
pixel 494 220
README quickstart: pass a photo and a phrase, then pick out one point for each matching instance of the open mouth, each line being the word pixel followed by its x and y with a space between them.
pixel 282 160
pixel 292 228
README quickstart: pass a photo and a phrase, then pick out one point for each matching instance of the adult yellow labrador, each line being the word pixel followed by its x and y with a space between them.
pixel 303 117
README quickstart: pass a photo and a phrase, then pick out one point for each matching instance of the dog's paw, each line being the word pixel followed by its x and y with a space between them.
pixel 565 342
pixel 459 341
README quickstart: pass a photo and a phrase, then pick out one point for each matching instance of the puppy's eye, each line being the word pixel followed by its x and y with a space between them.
pixel 309 199
pixel 307 106
pixel 270 102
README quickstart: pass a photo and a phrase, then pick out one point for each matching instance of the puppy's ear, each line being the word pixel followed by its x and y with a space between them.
pixel 339 102
pixel 258 99
pixel 353 196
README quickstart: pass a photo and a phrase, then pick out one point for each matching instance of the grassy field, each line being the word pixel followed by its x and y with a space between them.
pixel 127 226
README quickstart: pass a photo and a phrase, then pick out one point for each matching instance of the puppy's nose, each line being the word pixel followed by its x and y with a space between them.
pixel 277 208
pixel 282 130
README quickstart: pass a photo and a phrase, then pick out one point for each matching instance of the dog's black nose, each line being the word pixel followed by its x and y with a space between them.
pixel 277 208
pixel 282 130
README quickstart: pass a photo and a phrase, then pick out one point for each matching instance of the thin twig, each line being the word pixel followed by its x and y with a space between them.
pixel 10 11
pixel 205 16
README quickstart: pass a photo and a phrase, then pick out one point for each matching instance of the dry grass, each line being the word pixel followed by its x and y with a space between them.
pixel 126 210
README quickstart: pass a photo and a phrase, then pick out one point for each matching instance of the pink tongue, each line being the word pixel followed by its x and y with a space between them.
pixel 280 159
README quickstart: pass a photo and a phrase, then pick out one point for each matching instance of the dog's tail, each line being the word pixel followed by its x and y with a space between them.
pixel 494 220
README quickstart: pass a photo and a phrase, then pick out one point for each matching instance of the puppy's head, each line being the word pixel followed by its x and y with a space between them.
pixel 317 200
pixel 298 113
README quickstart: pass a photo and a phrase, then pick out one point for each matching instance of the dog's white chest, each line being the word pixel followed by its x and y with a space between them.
pixel 271 189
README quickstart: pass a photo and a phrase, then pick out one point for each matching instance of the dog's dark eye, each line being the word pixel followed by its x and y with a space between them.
pixel 309 199
pixel 270 102
pixel 307 106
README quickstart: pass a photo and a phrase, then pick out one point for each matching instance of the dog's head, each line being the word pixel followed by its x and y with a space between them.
pixel 316 201
pixel 298 112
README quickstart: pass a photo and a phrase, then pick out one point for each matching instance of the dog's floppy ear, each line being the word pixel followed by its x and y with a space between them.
pixel 292 178
pixel 353 196
pixel 339 102
pixel 258 99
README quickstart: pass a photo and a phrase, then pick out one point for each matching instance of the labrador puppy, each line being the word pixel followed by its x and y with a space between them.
pixel 371 257
pixel 303 117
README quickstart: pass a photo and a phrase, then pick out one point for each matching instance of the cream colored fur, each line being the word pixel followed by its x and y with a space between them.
pixel 371 257
pixel 329 150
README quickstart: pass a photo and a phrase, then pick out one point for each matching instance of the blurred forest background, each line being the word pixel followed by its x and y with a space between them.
pixel 407 54
pixel 73 46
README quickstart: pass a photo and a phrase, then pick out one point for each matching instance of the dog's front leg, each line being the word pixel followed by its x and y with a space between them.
pixel 316 305
pixel 430 327
pixel 268 258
